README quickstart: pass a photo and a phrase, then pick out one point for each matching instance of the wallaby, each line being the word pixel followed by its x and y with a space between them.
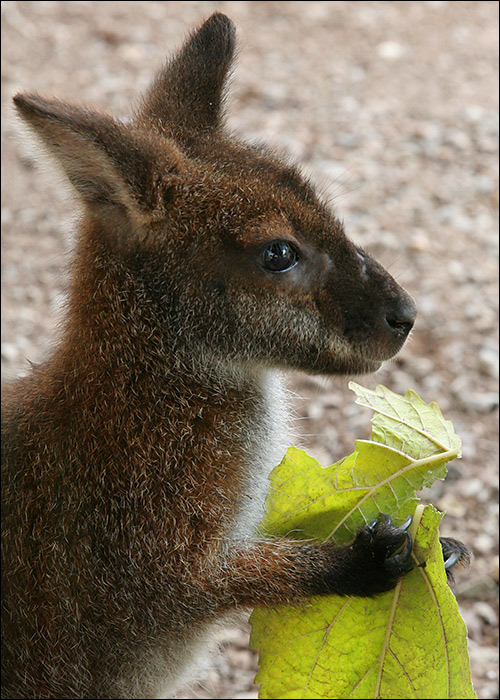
pixel 135 459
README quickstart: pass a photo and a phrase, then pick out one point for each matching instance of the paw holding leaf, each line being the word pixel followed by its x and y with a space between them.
pixel 381 554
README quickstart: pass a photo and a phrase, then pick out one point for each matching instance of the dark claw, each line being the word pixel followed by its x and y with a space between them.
pixel 386 518
pixel 407 523
pixel 451 561
pixel 382 518
pixel 401 559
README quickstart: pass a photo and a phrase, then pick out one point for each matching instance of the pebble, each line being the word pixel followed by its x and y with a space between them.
pixel 470 488
pixel 483 543
pixel 480 402
pixel 478 588
pixel 392 50
pixel 6 216
pixel 473 113
pixel 486 613
pixel 240 658
pixel 9 352
pixel 488 361
pixel 484 184
pixel 458 139
pixel 420 367
pixel 314 410
pixel 453 506
pixel 420 243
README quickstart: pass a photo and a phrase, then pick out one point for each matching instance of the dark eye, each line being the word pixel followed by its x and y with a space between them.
pixel 278 256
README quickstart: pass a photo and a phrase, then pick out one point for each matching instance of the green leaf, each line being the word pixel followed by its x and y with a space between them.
pixel 407 423
pixel 407 643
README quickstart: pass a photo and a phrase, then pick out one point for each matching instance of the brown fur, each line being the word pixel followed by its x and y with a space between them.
pixel 135 459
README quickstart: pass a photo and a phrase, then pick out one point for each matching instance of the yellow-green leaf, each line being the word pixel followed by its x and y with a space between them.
pixel 407 423
pixel 407 643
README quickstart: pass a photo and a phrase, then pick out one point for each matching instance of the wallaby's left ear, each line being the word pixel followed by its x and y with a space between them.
pixel 186 96
pixel 116 170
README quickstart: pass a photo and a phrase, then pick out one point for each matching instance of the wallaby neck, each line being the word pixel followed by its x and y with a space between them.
pixel 125 338
pixel 129 379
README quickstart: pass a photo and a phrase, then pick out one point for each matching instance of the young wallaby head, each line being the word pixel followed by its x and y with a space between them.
pixel 239 255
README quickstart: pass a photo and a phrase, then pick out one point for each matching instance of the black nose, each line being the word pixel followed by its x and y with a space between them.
pixel 401 317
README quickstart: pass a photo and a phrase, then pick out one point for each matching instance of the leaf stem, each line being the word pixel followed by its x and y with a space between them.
pixel 417 517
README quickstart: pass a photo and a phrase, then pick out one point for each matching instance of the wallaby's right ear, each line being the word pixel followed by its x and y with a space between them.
pixel 187 95
pixel 114 168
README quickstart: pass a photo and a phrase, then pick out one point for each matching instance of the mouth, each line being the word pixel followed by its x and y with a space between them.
pixel 346 365
pixel 344 358
pixel 367 367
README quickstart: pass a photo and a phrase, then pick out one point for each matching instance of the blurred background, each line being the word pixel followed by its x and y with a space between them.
pixel 392 108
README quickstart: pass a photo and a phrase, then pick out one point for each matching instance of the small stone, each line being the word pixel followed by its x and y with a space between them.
pixel 484 184
pixel 488 362
pixel 452 506
pixel 6 216
pixel 9 352
pixel 420 367
pixel 477 587
pixel 483 543
pixel 457 269
pixel 458 138
pixel 473 113
pixel 314 410
pixel 481 402
pixel 486 613
pixel 391 50
pixel 471 487
pixel 240 658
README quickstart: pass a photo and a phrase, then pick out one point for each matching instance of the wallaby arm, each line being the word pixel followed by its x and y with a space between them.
pixel 271 572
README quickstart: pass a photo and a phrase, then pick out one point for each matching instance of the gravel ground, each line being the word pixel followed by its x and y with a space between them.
pixel 392 107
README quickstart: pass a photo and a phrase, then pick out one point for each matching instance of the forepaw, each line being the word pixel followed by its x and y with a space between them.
pixel 383 553
pixel 454 552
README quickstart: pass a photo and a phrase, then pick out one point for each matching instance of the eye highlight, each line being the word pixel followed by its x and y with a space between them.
pixel 278 256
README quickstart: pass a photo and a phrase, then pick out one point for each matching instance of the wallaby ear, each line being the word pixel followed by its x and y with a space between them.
pixel 114 168
pixel 187 94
